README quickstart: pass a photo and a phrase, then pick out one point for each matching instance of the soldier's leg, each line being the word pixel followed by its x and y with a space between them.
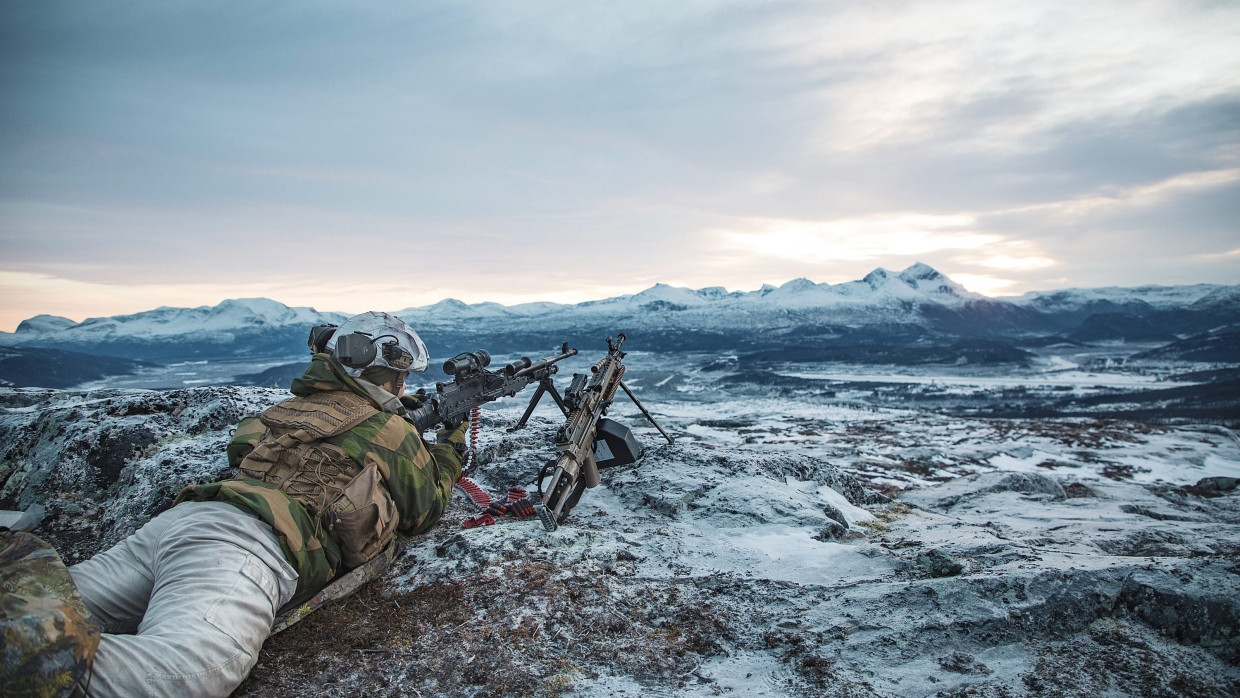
pixel 116 584
pixel 219 577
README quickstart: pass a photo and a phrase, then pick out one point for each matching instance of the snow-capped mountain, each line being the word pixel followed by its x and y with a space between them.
pixel 44 324
pixel 917 305
pixel 1157 297
pixel 229 317
pixel 54 351
pixel 865 300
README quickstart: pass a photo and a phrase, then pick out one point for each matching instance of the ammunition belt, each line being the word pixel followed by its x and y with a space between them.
pixel 517 503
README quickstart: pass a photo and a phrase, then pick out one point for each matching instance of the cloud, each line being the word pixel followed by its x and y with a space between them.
pixel 1009 263
pixel 982 259
pixel 1142 196
pixel 912 69
pixel 566 150
pixel 876 238
pixel 985 284
pixel 1229 254
pixel 855 239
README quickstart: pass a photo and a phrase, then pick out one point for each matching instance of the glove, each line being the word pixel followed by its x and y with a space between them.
pixel 414 400
pixel 454 436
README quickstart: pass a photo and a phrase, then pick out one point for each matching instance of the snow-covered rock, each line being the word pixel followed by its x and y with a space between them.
pixel 720 567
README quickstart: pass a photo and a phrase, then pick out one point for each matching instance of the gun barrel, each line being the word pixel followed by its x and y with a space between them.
pixel 544 363
pixel 512 368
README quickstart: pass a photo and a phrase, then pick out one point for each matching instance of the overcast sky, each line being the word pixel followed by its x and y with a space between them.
pixel 367 155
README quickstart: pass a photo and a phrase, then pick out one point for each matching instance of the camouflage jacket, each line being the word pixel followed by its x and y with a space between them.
pixel 419 477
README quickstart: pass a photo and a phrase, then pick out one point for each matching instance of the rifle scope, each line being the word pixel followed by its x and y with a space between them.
pixel 467 362
pixel 516 366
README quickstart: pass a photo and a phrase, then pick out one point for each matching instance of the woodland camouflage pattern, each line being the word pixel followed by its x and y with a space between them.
pixel 244 438
pixel 419 479
pixel 47 641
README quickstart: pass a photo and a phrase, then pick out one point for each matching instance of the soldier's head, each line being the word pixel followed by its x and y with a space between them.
pixel 378 348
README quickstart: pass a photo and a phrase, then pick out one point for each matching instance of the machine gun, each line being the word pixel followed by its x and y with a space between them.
pixel 588 441
pixel 472 385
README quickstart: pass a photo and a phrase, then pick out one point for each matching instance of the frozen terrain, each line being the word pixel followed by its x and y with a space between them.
pixel 808 539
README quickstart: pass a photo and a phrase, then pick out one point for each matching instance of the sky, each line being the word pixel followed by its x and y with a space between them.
pixel 371 155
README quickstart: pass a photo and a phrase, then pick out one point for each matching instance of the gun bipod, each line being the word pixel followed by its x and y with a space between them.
pixel 649 417
pixel 544 386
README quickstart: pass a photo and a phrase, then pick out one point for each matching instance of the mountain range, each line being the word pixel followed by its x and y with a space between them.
pixel 917 307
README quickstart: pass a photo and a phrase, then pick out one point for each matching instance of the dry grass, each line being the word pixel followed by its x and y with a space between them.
pixel 522 629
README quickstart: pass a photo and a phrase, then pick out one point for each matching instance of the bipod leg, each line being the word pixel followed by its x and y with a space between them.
pixel 544 386
pixel 643 409
pixel 555 395
pixel 530 408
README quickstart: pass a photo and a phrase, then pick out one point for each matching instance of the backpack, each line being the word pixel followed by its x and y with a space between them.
pixel 349 500
pixel 47 640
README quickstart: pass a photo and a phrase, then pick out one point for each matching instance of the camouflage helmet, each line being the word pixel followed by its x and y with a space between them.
pixel 375 339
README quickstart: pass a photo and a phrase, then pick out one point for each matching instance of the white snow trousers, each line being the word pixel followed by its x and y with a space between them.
pixel 198 587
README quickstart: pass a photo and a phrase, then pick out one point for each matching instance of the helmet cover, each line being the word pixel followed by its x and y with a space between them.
pixel 394 344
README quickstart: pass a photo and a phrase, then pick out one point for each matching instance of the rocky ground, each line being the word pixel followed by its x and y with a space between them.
pixel 884 553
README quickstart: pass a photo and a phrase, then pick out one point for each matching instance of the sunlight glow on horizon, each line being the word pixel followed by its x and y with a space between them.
pixel 79 301
pixel 990 286
pixel 855 239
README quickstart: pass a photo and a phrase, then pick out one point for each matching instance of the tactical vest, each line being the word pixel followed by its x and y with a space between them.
pixel 348 499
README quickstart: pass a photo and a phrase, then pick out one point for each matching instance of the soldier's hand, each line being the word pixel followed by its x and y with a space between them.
pixel 453 435
pixel 414 400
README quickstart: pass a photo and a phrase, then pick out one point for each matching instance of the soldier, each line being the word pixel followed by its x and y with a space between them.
pixel 186 602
